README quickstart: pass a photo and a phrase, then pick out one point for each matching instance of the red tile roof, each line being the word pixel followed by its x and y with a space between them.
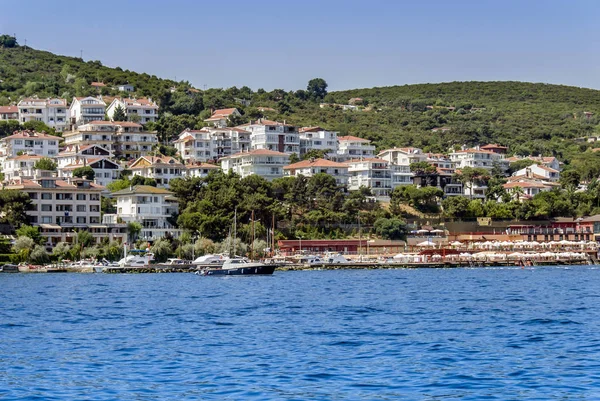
pixel 350 138
pixel 32 134
pixel 258 152
pixel 9 109
pixel 315 163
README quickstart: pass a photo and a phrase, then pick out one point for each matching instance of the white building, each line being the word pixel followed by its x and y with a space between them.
pixel 29 142
pixel 142 110
pixel 101 133
pixel 523 188
pixel 446 169
pixel 266 163
pixel 308 168
pixel 548 161
pixel 149 206
pixel 162 169
pixel 105 170
pixel 209 144
pixel 317 138
pixel 373 173
pixel 220 118
pixel 538 172
pixel 400 160
pixel 273 135
pixel 19 166
pixel 200 170
pixel 60 207
pixel 53 112
pixel 352 147
pixel 9 113
pixel 478 158
pixel 74 153
pixel 126 88
pixel 84 110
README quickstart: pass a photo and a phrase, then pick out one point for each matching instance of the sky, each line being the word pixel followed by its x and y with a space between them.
pixel 351 44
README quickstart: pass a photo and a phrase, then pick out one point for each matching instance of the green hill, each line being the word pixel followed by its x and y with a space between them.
pixel 527 117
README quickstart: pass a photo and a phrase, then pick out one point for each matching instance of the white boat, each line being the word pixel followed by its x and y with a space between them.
pixel 210 259
pixel 237 267
pixel 311 260
pixel 335 258
pixel 136 260
pixel 174 262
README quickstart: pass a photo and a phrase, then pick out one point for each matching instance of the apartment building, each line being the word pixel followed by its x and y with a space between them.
pixel 84 110
pixel 446 170
pixel 60 207
pixel 266 163
pixel 308 168
pixel 273 135
pixel 19 166
pixel 373 173
pixel 105 170
pixel 539 172
pixel 317 138
pixel 150 206
pixel 200 170
pixel 160 168
pixel 52 111
pixel 352 147
pixel 101 133
pixel 74 153
pixel 9 113
pixel 29 142
pixel 478 158
pixel 211 144
pixel 142 110
pixel 220 118
pixel 399 160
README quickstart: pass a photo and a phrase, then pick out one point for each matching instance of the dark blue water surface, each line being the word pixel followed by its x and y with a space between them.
pixel 455 334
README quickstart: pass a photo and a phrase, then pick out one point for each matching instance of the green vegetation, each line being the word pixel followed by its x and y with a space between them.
pixel 45 163
pixel 84 172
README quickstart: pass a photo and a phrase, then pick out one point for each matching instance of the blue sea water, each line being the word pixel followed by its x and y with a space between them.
pixel 448 334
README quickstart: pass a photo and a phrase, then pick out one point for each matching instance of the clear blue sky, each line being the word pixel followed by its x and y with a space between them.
pixel 351 44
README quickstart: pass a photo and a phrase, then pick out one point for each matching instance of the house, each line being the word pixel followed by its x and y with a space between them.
pixel 273 135
pixel 373 173
pixel 150 206
pixel 126 88
pixel 97 85
pixel 62 206
pixel 19 166
pixel 74 153
pixel 9 113
pixel 211 143
pixel 162 169
pixel 400 160
pixel 29 142
pixel 352 147
pixel 548 161
pixel 52 111
pixel 142 110
pixel 84 110
pixel 200 170
pixel 539 172
pixel 525 188
pixel 263 162
pixel 317 138
pixel 492 147
pixel 219 118
pixel 105 170
pixel 308 168
pixel 446 170
pixel 478 158
pixel 101 133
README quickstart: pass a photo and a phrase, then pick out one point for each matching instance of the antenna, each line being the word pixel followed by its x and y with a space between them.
pixel 81 54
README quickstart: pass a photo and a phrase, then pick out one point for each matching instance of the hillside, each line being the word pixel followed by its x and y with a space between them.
pixel 529 118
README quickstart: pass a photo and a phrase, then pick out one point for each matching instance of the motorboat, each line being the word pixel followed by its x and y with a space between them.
pixel 210 259
pixel 335 258
pixel 237 267
pixel 136 260
pixel 174 262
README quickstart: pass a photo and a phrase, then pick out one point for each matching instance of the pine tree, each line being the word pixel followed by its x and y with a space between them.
pixel 119 114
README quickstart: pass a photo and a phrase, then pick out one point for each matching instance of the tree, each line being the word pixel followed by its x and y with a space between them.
pixel 45 163
pixel 456 206
pixel 8 41
pixel 61 250
pixel 470 176
pixel 569 179
pixel 161 249
pixel 23 243
pixel 13 207
pixel 317 89
pixel 85 239
pixel 393 229
pixel 30 232
pixel 119 114
pixel 133 229
pixel 39 255
pixel 424 171
pixel 84 172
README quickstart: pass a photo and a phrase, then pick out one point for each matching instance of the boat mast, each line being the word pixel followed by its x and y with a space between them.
pixel 253 235
pixel 234 229
pixel 273 236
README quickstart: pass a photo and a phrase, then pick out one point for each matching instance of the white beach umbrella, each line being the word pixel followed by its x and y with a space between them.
pixel 426 243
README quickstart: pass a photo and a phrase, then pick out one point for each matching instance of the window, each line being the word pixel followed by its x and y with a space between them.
pixel 64 208
pixel 33 195
pixel 48 183
pixel 81 208
pixel 46 219
pixel 46 208
pixel 81 196
pixel 81 220
pixel 64 196
pixel 46 196
pixel 94 197
pixel 19 141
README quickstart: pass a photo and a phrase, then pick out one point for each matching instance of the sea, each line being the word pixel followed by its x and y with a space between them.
pixel 406 334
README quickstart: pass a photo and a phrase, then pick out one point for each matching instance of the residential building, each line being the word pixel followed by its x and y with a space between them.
pixel 84 110
pixel 308 168
pixel 200 170
pixel 160 168
pixel 126 139
pixel 273 135
pixel 373 173
pixel 524 188
pixel 478 158
pixel 74 154
pixel 126 88
pixel 493 147
pixel 446 170
pixel 220 118
pixel 539 172
pixel 142 110
pixel 105 170
pixel 266 163
pixel 60 207
pixel 400 160
pixel 549 161
pixel 150 206
pixel 19 166
pixel 352 147
pixel 9 113
pixel 53 112
pixel 317 138
pixel 209 144
pixel 29 142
